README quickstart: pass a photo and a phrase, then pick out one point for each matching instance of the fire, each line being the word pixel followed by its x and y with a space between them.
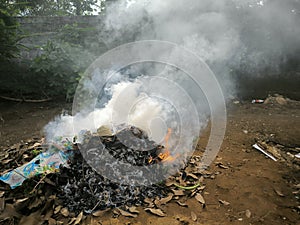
pixel 150 160
pixel 166 155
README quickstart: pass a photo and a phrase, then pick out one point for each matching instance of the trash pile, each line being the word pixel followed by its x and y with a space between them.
pixel 279 152
pixel 275 99
pixel 69 191
pixel 43 163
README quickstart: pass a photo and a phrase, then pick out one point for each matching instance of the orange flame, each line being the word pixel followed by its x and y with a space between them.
pixel 166 155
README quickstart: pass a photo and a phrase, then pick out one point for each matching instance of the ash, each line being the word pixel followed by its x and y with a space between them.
pixel 81 188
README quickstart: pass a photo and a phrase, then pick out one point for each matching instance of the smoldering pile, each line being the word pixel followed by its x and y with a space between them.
pixel 64 196
pixel 82 188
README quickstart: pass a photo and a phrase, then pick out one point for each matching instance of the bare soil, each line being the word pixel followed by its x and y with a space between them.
pixel 251 183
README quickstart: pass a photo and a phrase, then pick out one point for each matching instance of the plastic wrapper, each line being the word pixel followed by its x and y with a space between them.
pixel 46 162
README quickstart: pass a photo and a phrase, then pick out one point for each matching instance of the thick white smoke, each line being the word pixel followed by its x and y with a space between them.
pixel 245 36
pixel 233 36
pixel 126 106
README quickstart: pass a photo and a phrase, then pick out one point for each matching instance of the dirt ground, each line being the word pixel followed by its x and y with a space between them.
pixel 259 190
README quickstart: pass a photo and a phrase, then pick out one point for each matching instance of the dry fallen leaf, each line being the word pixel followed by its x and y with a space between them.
pixel 72 221
pixel 195 191
pixel 100 213
pixel 222 166
pixel 178 192
pixel 57 209
pixel 192 176
pixel 6 161
pixel 133 209
pixel 127 214
pixel 157 212
pixel 148 200
pixel 64 212
pixel 115 212
pixel 200 198
pixel 4 156
pixel 279 193
pixel 192 161
pixel 21 203
pixel 26 156
pixel 165 200
pixel 51 221
pixel 2 193
pixel 248 213
pixel 201 179
pixel 21 200
pixel 194 216
pixel 183 204
pixel 156 202
pixel 223 202
pixel 170 183
pixel 35 145
pixel 78 218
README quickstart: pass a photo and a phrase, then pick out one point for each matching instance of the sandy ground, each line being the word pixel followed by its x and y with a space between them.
pixel 259 190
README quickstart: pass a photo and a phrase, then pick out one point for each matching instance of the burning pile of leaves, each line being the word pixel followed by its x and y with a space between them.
pixel 82 188
pixel 77 193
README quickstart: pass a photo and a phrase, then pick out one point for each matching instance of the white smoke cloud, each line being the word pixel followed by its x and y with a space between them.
pixel 247 35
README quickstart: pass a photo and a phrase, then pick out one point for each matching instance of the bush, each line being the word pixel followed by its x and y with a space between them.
pixel 9 46
pixel 60 66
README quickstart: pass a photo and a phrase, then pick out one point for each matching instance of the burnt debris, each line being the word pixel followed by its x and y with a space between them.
pixel 82 188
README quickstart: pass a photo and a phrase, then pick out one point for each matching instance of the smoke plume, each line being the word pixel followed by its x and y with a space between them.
pixel 244 37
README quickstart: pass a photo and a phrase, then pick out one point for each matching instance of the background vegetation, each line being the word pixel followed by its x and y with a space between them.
pixel 60 62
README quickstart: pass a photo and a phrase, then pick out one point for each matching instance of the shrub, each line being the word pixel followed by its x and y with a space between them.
pixel 60 66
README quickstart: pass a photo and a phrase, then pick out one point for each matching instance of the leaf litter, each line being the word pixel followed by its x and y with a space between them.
pixel 61 211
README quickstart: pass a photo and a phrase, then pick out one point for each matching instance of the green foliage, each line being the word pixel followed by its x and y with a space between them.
pixel 60 62
pixel 60 66
pixel 60 8
pixel 9 46
pixel 35 152
pixel 73 34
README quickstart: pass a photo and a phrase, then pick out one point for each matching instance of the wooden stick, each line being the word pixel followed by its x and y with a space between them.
pixel 25 100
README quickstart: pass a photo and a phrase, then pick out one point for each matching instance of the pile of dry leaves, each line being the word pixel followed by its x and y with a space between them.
pixel 43 199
